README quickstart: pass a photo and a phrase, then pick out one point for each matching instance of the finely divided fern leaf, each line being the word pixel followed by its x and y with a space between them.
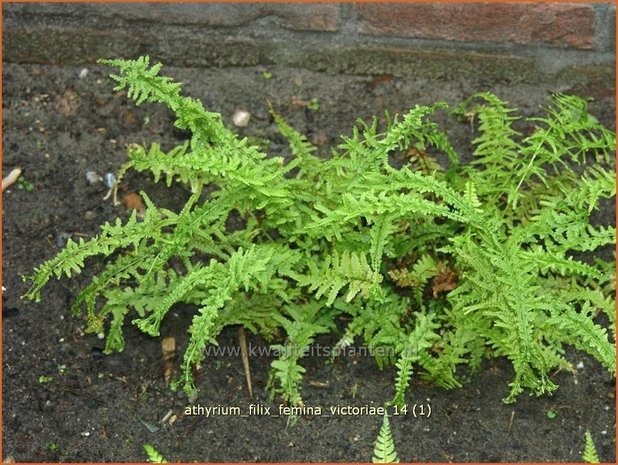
pixel 337 271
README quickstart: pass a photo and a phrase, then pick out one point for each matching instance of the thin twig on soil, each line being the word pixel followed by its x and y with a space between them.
pixel 244 353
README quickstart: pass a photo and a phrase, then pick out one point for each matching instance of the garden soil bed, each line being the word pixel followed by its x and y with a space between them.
pixel 63 400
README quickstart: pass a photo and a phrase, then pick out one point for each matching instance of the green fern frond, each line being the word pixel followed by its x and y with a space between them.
pixel 143 82
pixel 580 330
pixel 590 451
pixel 301 148
pixel 497 145
pixel 71 260
pixel 414 347
pixel 380 235
pixel 153 455
pixel 384 449
pixel 337 271
pixel 307 321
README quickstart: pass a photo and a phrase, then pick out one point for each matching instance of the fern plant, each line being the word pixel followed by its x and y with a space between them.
pixel 590 451
pixel 153 454
pixel 384 449
pixel 436 267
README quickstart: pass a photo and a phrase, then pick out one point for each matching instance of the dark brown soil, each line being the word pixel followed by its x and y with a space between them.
pixel 94 408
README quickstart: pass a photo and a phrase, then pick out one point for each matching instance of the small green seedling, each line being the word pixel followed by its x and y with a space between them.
pixel 354 390
pixel 551 414
pixel 267 75
pixel 43 379
pixel 24 184
pixel 153 455
pixel 590 451
pixel 384 450
pixel 314 105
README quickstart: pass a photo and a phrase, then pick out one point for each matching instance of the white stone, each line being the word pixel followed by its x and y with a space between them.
pixel 241 118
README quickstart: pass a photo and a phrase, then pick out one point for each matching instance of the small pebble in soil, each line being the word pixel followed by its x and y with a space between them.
pixel 62 238
pixel 241 118
pixel 89 215
pixel 93 178
pixel 110 180
pixel 579 365
pixel 83 73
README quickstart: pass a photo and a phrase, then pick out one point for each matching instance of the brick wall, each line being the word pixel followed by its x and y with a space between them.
pixel 533 40
pixel 552 25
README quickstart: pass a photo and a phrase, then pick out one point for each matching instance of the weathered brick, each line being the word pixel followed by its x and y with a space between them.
pixel 313 17
pixel 554 24
pixel 316 17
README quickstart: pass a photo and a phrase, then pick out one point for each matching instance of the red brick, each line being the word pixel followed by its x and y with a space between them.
pixel 554 24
